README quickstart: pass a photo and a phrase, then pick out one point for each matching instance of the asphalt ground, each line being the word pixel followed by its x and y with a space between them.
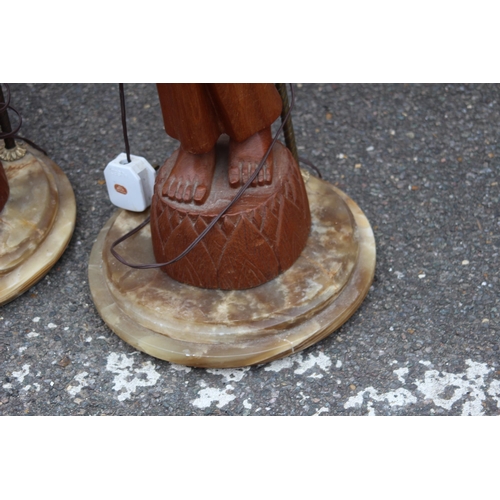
pixel 422 161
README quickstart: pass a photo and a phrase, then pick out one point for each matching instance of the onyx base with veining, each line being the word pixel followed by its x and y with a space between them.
pixel 36 223
pixel 215 328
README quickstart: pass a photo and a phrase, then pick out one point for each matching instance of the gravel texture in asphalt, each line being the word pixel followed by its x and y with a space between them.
pixel 422 161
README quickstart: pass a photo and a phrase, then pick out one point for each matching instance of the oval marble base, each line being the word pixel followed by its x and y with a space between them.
pixel 221 329
pixel 36 223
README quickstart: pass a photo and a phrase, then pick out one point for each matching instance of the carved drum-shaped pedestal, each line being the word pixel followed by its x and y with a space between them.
pixel 260 237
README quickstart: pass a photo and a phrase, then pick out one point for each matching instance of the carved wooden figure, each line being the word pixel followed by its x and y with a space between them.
pixel 265 232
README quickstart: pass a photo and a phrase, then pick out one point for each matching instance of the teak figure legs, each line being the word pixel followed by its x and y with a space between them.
pixel 197 114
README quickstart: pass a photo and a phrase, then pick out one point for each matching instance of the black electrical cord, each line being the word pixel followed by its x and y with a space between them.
pixel 218 217
pixel 124 121
pixel 312 165
pixel 7 134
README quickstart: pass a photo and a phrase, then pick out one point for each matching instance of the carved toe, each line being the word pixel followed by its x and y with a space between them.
pixel 188 194
pixel 199 194
pixel 234 176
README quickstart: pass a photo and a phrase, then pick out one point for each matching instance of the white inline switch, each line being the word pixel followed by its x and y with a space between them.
pixel 130 185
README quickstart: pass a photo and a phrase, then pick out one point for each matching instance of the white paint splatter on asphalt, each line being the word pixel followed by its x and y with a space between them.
pixel 323 409
pixel 400 372
pixel 229 375
pixel 494 391
pixel 399 397
pixel 443 389
pixel 80 384
pixel 321 361
pixel 310 365
pixel 279 364
pixel 470 383
pixel 19 376
pixel 127 378
pixel 209 395
pixel 180 368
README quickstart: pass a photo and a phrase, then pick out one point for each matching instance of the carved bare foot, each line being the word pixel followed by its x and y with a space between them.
pixel 191 177
pixel 244 158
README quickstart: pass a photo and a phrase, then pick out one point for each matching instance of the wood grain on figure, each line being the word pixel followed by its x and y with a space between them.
pixel 260 237
pixel 197 114
pixel 4 188
pixel 265 232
